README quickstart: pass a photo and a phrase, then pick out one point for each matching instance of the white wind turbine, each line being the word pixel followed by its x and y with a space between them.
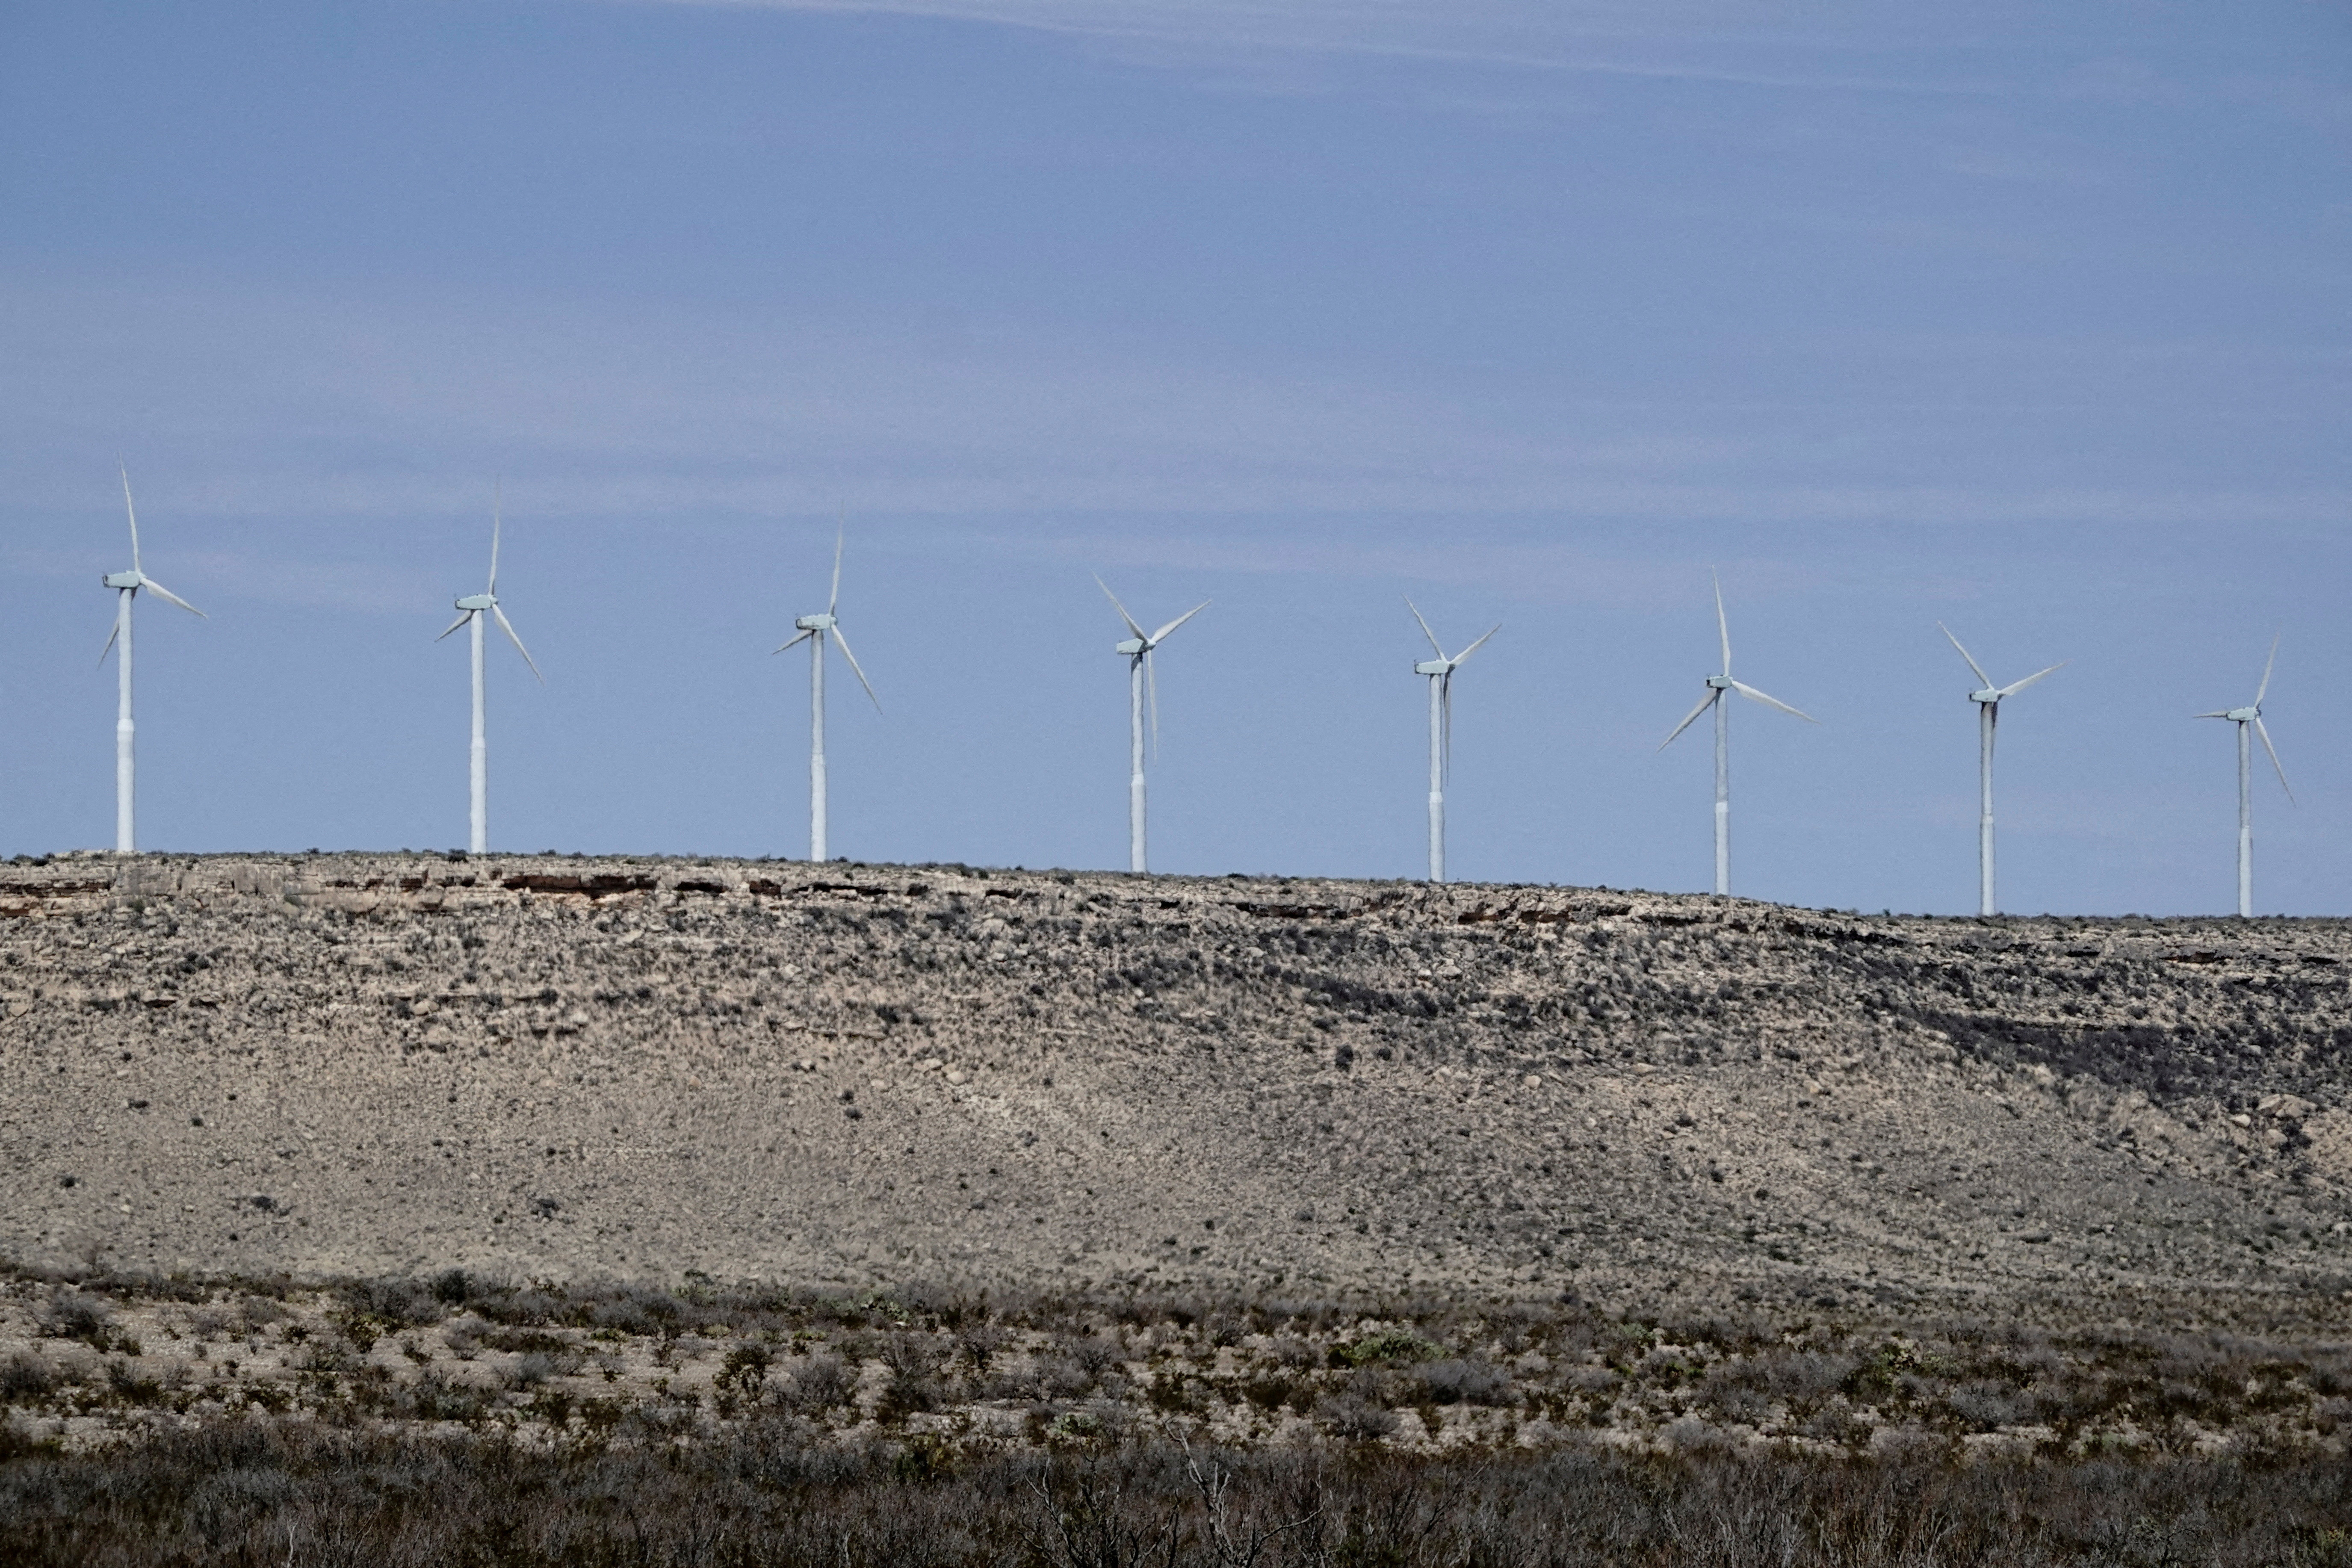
pixel 1988 701
pixel 2250 718
pixel 1440 671
pixel 126 586
pixel 814 630
pixel 1717 685
pixel 1141 681
pixel 470 611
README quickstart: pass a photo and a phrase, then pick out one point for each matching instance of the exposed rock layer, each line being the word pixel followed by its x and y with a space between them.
pixel 583 1067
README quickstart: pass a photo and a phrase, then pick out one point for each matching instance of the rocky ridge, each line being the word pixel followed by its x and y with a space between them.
pixel 576 1067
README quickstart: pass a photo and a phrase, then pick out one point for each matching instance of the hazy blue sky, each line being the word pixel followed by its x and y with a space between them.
pixel 2031 318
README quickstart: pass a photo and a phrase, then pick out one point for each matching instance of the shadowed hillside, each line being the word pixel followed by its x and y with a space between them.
pixel 579 1068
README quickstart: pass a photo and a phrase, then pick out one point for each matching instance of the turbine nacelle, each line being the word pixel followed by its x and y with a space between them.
pixel 1988 696
pixel 473 602
pixel 1433 666
pixel 1133 646
pixel 815 624
pixel 1721 682
pixel 2244 715
pixel 124 580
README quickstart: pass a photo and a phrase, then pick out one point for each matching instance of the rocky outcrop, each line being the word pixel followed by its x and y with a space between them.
pixel 636 1066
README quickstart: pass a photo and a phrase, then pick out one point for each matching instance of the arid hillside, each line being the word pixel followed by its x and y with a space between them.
pixel 581 1067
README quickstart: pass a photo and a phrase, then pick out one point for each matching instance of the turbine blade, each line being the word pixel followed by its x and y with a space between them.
pixel 1753 695
pixel 852 664
pixel 1983 677
pixel 1721 625
pixel 1162 634
pixel 159 589
pixel 2265 734
pixel 133 512
pixel 112 632
pixel 507 626
pixel 1705 702
pixel 1459 659
pixel 497 508
pixel 1445 727
pixel 1151 696
pixel 1121 608
pixel 2209 715
pixel 840 536
pixel 2267 666
pixel 460 621
pixel 1425 628
pixel 796 641
pixel 2014 686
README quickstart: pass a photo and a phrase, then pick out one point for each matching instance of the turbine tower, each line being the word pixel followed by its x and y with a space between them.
pixel 1717 685
pixel 470 611
pixel 1440 671
pixel 1141 681
pixel 814 630
pixel 2249 718
pixel 126 586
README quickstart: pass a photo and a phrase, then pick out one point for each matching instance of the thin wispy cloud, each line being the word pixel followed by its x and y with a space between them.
pixel 1825 48
pixel 711 417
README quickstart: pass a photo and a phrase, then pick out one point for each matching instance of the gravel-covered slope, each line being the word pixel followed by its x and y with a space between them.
pixel 581 1067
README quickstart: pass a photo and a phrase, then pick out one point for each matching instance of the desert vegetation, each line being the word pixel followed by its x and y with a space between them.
pixel 254 1492
pixel 85 1364
pixel 455 1419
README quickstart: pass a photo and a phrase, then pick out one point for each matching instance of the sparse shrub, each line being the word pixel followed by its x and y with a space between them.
pixel 1355 1418
pixel 1985 1405
pixel 129 1383
pixel 1058 1378
pixel 744 1372
pixel 1269 1393
pixel 257 1312
pixel 1464 1382
pixel 639 1311
pixel 76 1315
pixel 820 1382
pixel 1387 1346
pixel 1098 1354
pixel 1173 1392
pixel 980 1341
pixel 911 1391
pixel 26 1379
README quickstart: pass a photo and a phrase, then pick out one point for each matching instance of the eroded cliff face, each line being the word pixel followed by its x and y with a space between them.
pixel 635 1067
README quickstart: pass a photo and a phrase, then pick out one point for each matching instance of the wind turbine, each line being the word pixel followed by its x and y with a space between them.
pixel 1988 701
pixel 2249 718
pixel 1717 685
pixel 1140 680
pixel 814 630
pixel 126 586
pixel 470 611
pixel 1440 671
